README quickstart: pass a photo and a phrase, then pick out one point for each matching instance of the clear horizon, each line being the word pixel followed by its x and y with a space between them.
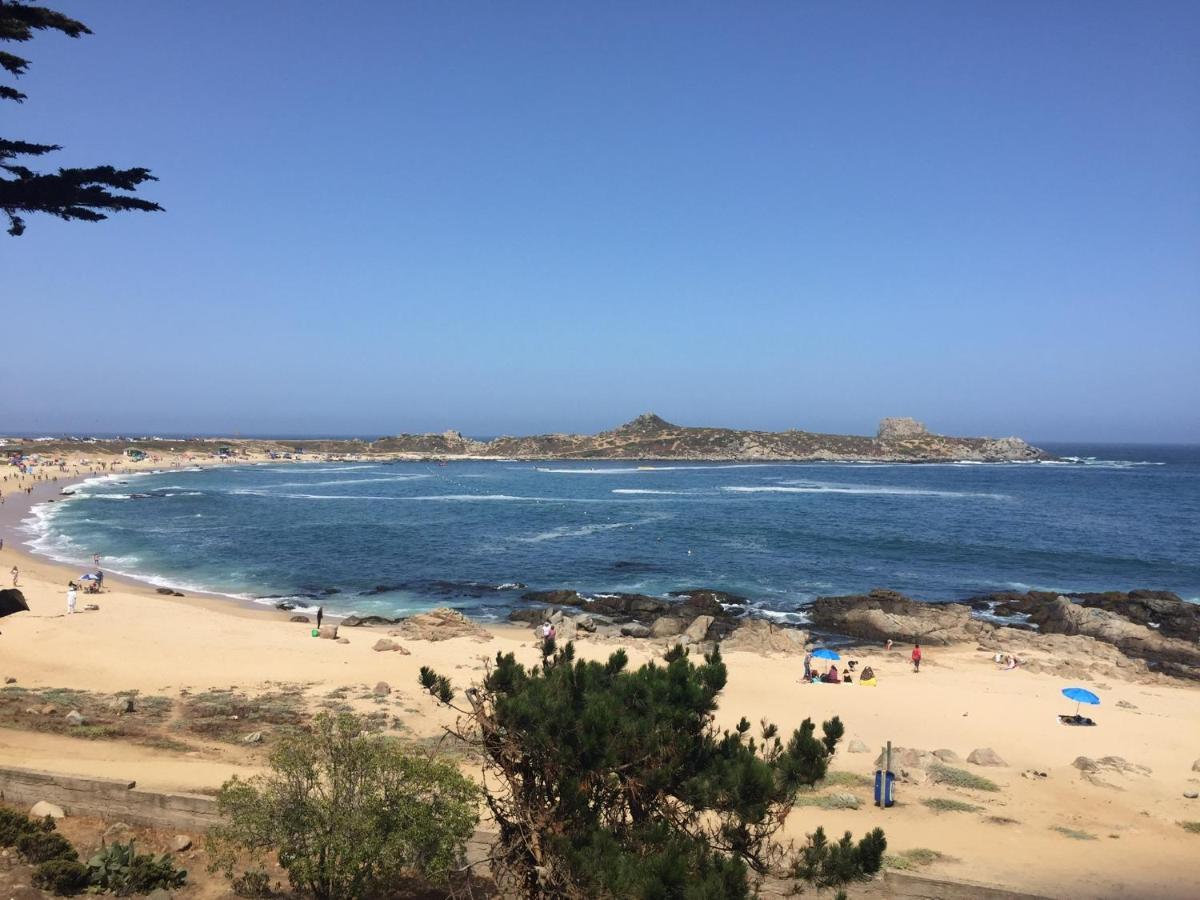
pixel 537 218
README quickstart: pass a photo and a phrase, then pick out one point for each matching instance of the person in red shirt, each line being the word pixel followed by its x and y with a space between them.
pixel 916 658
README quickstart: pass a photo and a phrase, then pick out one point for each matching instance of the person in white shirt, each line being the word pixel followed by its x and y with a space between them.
pixel 71 598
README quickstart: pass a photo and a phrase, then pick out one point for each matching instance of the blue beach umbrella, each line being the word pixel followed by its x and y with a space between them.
pixel 1079 695
pixel 822 653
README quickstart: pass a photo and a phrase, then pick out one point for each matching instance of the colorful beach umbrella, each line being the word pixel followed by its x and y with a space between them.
pixel 1080 695
pixel 822 653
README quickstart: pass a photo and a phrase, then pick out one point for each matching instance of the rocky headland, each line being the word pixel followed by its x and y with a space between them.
pixel 648 437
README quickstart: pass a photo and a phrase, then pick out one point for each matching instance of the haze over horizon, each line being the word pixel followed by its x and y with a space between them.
pixel 537 218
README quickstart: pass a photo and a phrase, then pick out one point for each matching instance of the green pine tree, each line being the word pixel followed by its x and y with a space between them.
pixel 75 193
pixel 605 782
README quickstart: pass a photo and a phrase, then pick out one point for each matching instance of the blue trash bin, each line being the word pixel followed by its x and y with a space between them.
pixel 885 786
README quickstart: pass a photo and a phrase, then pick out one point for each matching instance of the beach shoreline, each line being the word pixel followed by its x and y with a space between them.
pixel 150 645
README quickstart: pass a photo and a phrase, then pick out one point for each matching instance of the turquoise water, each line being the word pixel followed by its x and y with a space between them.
pixel 390 538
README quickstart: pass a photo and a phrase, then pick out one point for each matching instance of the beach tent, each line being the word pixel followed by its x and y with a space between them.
pixel 12 601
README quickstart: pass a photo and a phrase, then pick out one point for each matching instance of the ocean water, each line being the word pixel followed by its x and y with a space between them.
pixel 394 538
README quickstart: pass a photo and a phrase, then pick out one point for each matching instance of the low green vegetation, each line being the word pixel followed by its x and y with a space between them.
pixel 828 801
pixel 1193 827
pixel 227 715
pixel 943 774
pixel 916 858
pixel 845 780
pixel 116 869
pixel 946 804
pixel 347 813
pixel 120 869
pixel 1073 833
pixel 1000 820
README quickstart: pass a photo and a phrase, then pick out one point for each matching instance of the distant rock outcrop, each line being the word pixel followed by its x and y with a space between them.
pixel 899 428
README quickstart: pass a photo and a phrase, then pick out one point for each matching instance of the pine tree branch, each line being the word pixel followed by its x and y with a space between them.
pixel 18 21
pixel 12 63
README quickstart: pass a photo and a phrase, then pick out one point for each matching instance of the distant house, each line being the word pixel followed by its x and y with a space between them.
pixel 224 451
pixel 135 454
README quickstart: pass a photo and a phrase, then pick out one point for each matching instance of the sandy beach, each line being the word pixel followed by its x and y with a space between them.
pixel 1116 834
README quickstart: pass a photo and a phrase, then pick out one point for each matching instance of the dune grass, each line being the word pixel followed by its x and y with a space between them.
pixel 1073 833
pixel 1000 820
pixel 915 858
pixel 845 780
pixel 826 801
pixel 945 804
pixel 1193 827
pixel 961 778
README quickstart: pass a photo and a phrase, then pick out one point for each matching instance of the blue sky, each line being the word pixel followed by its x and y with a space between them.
pixel 520 217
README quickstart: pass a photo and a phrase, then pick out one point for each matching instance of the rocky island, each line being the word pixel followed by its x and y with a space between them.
pixel 652 437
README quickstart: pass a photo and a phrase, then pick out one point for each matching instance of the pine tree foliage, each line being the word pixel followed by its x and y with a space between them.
pixel 605 782
pixel 73 193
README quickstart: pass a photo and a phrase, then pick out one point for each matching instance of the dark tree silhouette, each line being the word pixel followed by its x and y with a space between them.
pixel 68 193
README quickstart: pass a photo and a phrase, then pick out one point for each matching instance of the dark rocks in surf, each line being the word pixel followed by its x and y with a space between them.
pixel 554 598
pixel 168 592
pixel 360 621
pixel 1164 612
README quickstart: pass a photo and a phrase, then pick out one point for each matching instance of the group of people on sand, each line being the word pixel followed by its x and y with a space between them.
pixel 866 678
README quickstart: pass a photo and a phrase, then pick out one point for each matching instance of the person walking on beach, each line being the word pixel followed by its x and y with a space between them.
pixel 320 615
pixel 808 657
pixel 916 658
pixel 15 575
pixel 71 598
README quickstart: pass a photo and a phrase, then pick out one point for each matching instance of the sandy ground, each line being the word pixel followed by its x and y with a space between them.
pixel 960 701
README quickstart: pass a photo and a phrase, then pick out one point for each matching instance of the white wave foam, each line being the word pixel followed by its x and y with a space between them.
pixel 646 470
pixel 818 487
pixel 649 491
pixel 302 469
pixel 570 531
pixel 338 481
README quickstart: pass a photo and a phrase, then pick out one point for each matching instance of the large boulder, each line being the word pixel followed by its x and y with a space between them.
pixel 764 637
pixel 12 601
pixel 442 625
pixel 44 808
pixel 328 632
pixel 667 626
pixel 985 756
pixel 697 631
pixel 883 614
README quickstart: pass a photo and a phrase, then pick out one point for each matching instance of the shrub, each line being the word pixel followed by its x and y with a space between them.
pixel 914 858
pixel 43 846
pixel 1193 827
pixel 14 824
pixel 347 813
pixel 961 778
pixel 1073 833
pixel 119 868
pixel 611 783
pixel 252 884
pixel 827 865
pixel 944 804
pixel 63 877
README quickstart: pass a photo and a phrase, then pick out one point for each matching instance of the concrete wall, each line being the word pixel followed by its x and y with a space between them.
pixel 108 798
